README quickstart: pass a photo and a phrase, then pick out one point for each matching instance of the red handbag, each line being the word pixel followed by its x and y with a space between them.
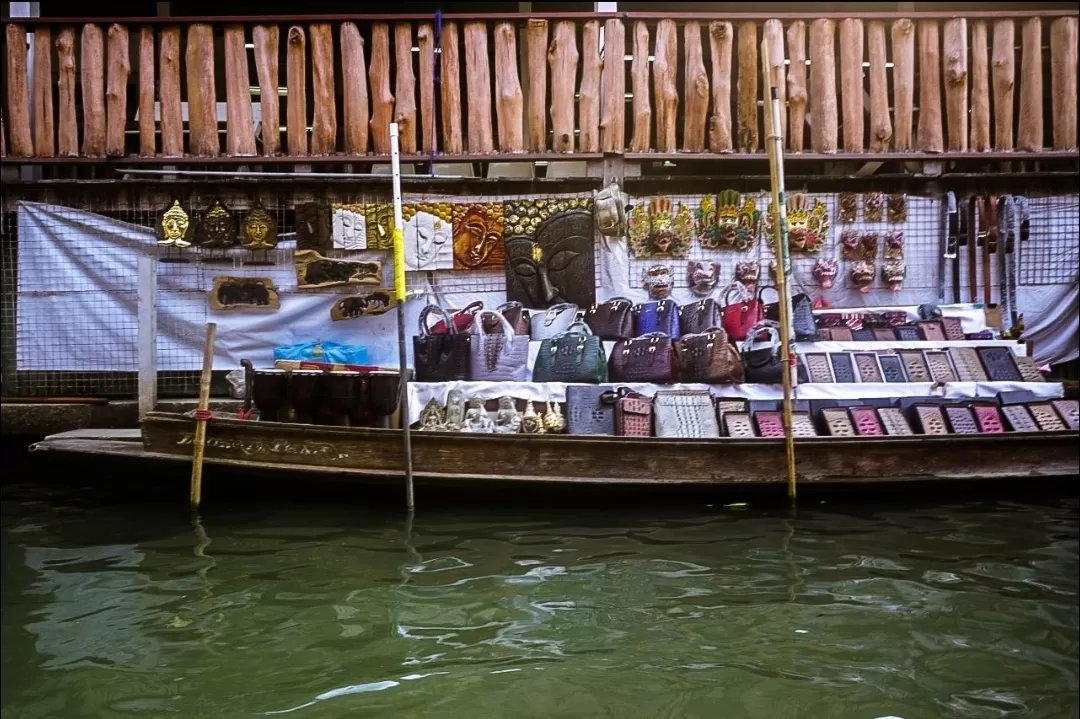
pixel 462 319
pixel 738 318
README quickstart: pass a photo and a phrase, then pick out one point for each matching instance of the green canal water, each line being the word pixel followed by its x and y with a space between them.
pixel 126 607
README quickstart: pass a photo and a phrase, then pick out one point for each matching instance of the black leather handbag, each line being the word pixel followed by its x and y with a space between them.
pixel 442 357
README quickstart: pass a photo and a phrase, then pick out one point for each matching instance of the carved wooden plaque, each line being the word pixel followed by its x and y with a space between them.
pixel 244 293
pixel 314 270
pixel 367 305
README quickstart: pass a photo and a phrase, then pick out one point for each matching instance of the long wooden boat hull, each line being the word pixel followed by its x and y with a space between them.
pixel 370 453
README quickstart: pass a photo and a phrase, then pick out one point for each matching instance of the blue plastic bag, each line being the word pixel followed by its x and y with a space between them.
pixel 323 352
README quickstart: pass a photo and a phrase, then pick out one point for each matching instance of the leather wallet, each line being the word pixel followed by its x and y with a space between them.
pixel 988 417
pixel 1000 364
pixel 1019 418
pixel 838 422
pixel 818 367
pixel 1046 417
pixel 954 328
pixel 770 423
pixel 1069 409
pixel 932 330
pixel 892 368
pixel 961 419
pixel 915 365
pixel 1028 369
pixel 843 370
pixel 866 421
pixel 869 369
pixel 894 422
pixel 802 425
pixel 941 369
pixel 967 364
pixel 739 424
pixel 931 420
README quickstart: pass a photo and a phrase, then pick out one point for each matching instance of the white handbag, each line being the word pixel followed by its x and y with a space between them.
pixel 609 207
pixel 553 321
pixel 498 357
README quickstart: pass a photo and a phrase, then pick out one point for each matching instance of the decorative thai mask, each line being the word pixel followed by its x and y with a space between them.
pixel 379 220
pixel 657 281
pixel 847 206
pixel 898 208
pixel 314 226
pixel 873 205
pixel 349 227
pixel 549 252
pixel 657 229
pixel 825 272
pixel 808 223
pixel 862 275
pixel 850 245
pixel 428 231
pixel 893 274
pixel 737 222
pixel 259 230
pixel 218 228
pixel 747 273
pixel 702 277
pixel 175 225
pixel 894 245
pixel 478 236
pixel 869 243
pixel 707 229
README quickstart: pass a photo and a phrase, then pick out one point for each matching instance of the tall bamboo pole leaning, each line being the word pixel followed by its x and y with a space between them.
pixel 780 248
pixel 399 291
pixel 202 416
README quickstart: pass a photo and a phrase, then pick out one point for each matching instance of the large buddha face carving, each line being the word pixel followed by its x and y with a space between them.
pixel 478 236
pixel 426 240
pixel 555 262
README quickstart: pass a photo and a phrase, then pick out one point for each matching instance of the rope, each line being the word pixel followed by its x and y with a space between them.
pixel 245 414
pixel 202 415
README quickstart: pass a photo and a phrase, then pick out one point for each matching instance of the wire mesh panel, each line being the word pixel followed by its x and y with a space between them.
pixel 1051 254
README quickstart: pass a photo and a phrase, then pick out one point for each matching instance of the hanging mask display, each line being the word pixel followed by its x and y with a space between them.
pixel 862 275
pixel 659 228
pixel 550 255
pixel 218 227
pixel 379 224
pixel 850 245
pixel 747 273
pixel 847 206
pixel 657 281
pixel 868 245
pixel 893 274
pixel 825 272
pixel 894 245
pixel 737 222
pixel 175 227
pixel 313 226
pixel 898 208
pixel 702 277
pixel 609 208
pixel 478 236
pixel 873 205
pixel 808 223
pixel 428 234
pixel 258 230
pixel 349 227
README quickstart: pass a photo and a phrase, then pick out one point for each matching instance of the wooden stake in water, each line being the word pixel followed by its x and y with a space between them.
pixel 202 416
pixel 400 292
pixel 780 248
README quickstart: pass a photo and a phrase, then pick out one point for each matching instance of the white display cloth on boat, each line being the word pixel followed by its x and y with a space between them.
pixel 420 393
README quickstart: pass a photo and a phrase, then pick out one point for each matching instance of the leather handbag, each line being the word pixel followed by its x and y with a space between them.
pixel 761 356
pixel 739 317
pixel 553 321
pixel 590 410
pixel 577 355
pixel 515 314
pixel 708 357
pixel 771 309
pixel 685 414
pixel 462 319
pixel 612 320
pixel 698 317
pixel 440 357
pixel 661 316
pixel 633 414
pixel 643 359
pixel 498 357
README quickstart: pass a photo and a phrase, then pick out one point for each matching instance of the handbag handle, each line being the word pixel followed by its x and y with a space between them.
pixel 735 286
pixel 761 292
pixel 511 305
pixel 471 309
pixel 508 330
pixel 585 330
pixel 425 330
pixel 751 337
pixel 552 313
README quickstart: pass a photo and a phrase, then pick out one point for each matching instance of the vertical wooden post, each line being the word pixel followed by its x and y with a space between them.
pixel 119 69
pixel 18 93
pixel 1063 58
pixel 536 40
pixel 478 87
pixel 903 52
pixel 613 113
pixel 851 84
pixel 93 91
pixel 324 119
pixel 508 96
pixel 404 88
pixel 823 118
pixel 147 298
pixel 747 135
pixel 67 128
pixel 929 134
pixel 382 101
pixel 44 126
pixel 1004 61
pixel 239 122
pixel 265 39
pixel 796 42
pixel 354 91
pixel 451 90
pixel 589 92
pixel 664 69
pixel 172 122
pixel 563 59
pixel 425 39
pixel 880 124
pixel 203 138
pixel 773 34
pixel 296 81
pixel 639 83
pixel 980 87
pixel 955 63
pixel 1029 136
pixel 199 443
pixel 147 123
pixel 696 84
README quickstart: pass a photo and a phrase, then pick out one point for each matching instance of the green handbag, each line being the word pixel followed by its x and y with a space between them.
pixel 576 355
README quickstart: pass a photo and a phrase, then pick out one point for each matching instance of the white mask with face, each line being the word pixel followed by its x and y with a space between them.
pixel 426 241
pixel 350 230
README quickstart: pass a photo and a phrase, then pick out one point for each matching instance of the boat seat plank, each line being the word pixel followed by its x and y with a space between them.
pixel 113 435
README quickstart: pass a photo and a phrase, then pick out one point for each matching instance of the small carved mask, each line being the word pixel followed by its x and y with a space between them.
pixel 862 275
pixel 825 272
pixel 702 277
pixel 554 262
pixel 747 273
pixel 175 225
pixel 893 273
pixel 873 204
pixel 259 229
pixel 894 245
pixel 657 281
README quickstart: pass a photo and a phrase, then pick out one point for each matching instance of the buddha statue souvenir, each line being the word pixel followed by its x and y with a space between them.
pixel 531 422
pixel 477 419
pixel 825 272
pixel 175 227
pixel 862 275
pixel 218 227
pixel 431 416
pixel 702 277
pixel 507 419
pixel 554 421
pixel 657 281
pixel 454 420
pixel 259 229
pixel 550 256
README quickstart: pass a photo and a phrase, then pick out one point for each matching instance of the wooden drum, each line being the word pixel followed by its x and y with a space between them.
pixel 340 392
pixel 383 394
pixel 270 393
pixel 305 389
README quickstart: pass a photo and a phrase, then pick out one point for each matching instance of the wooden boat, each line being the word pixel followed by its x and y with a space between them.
pixel 447 457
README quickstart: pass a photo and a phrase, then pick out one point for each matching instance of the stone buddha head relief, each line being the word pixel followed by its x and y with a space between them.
pixel 427 236
pixel 349 228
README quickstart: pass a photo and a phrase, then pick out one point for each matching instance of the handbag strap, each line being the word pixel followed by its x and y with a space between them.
pixel 772 328
pixel 555 311
pixel 508 329
pixel 425 330
pixel 507 306
pixel 761 293
pixel 572 330
pixel 470 309
pixel 735 286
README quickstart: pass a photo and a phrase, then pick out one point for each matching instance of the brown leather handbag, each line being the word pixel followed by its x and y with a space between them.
pixel 515 314
pixel 612 320
pixel 643 359
pixel 633 414
pixel 699 316
pixel 708 358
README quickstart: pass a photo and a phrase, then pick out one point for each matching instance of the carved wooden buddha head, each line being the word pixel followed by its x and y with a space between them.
pixel 550 260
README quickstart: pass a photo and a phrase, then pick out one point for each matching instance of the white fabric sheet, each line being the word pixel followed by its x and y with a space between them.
pixel 1052 322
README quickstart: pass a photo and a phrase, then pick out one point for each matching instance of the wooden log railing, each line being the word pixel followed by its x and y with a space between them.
pixel 515 86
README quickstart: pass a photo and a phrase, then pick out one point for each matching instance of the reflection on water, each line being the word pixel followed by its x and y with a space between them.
pixel 962 610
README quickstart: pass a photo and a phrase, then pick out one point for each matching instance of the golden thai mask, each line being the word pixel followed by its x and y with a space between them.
pixel 657 228
pixel 175 225
pixel 259 229
pixel 218 227
pixel 807 220
pixel 737 222
pixel 478 236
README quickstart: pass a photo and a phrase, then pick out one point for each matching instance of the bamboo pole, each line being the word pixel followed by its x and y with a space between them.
pixel 202 414
pixel 399 290
pixel 776 173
